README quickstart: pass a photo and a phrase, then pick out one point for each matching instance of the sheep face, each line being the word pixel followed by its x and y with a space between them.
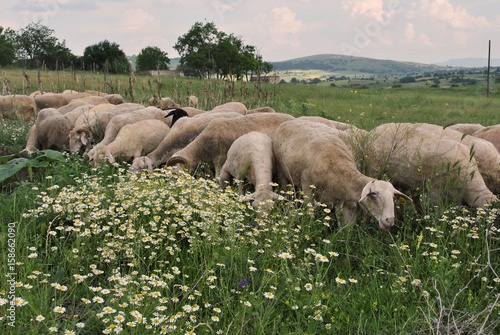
pixel 377 198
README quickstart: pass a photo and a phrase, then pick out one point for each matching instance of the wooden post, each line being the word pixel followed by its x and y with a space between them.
pixel 488 73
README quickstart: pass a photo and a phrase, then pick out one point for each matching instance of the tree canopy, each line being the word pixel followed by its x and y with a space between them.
pixel 36 44
pixel 105 56
pixel 152 58
pixel 7 49
pixel 205 51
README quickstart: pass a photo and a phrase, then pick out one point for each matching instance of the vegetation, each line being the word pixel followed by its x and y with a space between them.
pixel 92 251
pixel 152 58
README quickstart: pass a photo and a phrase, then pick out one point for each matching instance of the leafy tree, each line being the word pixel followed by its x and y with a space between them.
pixel 196 49
pixel 7 49
pixel 152 58
pixel 36 45
pixel 106 56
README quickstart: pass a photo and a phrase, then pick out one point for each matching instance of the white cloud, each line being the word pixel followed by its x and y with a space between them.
pixel 284 22
pixel 455 16
pixel 409 32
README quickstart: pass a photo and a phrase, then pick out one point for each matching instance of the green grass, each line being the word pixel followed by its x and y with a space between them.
pixel 104 251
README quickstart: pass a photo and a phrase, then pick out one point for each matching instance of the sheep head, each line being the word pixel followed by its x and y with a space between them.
pixel 176 114
pixel 377 198
pixel 177 163
pixel 78 139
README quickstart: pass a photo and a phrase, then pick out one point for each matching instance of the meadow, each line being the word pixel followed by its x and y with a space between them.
pixel 104 251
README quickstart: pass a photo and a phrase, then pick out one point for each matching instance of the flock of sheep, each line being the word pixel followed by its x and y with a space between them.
pixel 331 162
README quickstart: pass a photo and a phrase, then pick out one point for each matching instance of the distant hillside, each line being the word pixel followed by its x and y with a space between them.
pixel 470 62
pixel 353 64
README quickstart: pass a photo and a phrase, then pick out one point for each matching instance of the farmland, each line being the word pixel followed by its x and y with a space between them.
pixel 91 251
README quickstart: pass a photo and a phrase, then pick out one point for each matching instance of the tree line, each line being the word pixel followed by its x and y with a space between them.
pixel 204 52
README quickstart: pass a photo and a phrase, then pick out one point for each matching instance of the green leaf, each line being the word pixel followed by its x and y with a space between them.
pixel 12 167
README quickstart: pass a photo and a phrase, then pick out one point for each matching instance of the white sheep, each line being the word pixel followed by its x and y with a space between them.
pixel 331 123
pixel 466 128
pixel 50 131
pixel 72 105
pixel 233 106
pixel 491 134
pixel 212 144
pixel 114 99
pixel 182 133
pixel 93 128
pixel 162 103
pixel 265 109
pixel 133 140
pixel 20 107
pixel 117 122
pixel 51 100
pixel 486 155
pixel 251 159
pixel 192 101
pixel 314 159
pixel 418 159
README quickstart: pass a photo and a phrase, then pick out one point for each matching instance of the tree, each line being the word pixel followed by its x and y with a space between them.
pixel 196 48
pixel 152 58
pixel 106 56
pixel 36 45
pixel 7 49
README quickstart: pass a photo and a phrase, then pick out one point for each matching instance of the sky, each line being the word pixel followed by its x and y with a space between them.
pixel 423 31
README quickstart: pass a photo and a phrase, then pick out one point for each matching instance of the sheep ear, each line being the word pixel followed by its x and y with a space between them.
pixel 367 190
pixel 83 138
pixel 401 197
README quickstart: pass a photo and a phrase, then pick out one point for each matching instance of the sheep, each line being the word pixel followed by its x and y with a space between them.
pixel 212 144
pixel 177 113
pixel 313 158
pixel 82 135
pixel 466 128
pixel 133 140
pixel 233 106
pixel 192 101
pixel 331 123
pixel 119 121
pixel 486 155
pixel 21 107
pixel 264 109
pixel 183 133
pixel 114 99
pixel 162 103
pixel 250 158
pixel 51 100
pixel 72 105
pixel 50 131
pixel 416 158
pixel 490 134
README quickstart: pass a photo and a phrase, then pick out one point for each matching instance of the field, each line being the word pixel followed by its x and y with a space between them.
pixel 103 251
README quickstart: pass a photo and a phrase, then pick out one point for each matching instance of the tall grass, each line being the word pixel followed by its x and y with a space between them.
pixel 105 251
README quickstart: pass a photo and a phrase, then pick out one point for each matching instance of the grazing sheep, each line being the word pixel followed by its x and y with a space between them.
pixel 231 107
pixel 133 140
pixel 334 124
pixel 265 109
pixel 212 144
pixel 114 99
pixel 20 107
pixel 486 155
pixel 251 159
pixel 162 103
pixel 119 121
pixel 50 131
pixel 313 158
pixel 72 105
pixel 490 134
pixel 183 133
pixel 93 129
pixel 177 113
pixel 466 128
pixel 51 100
pixel 192 101
pixel 415 158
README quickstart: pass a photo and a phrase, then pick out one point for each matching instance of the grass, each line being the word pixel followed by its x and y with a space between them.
pixel 89 251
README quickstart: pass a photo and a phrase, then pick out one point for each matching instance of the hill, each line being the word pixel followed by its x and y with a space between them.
pixel 357 65
pixel 470 62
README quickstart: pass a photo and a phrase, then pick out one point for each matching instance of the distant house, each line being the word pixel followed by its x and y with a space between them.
pixel 266 79
pixel 168 73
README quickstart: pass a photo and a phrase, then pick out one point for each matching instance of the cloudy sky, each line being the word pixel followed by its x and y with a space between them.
pixel 425 31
